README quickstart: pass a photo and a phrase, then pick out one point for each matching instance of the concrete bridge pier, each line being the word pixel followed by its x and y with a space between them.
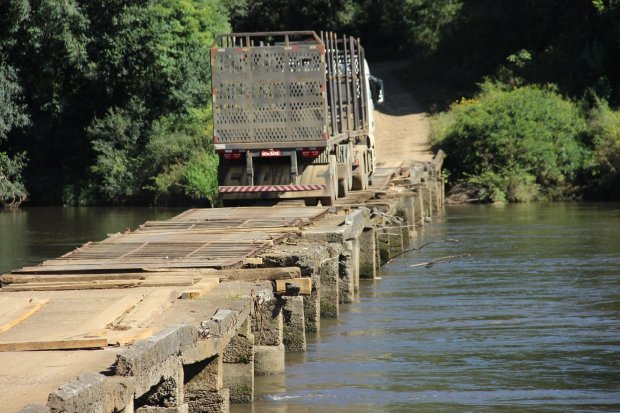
pixel 238 365
pixel 294 336
pixel 330 289
pixel 268 330
pixel 368 264
pixel 204 386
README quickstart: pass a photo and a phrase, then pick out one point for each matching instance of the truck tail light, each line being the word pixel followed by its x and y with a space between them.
pixel 311 152
pixel 231 155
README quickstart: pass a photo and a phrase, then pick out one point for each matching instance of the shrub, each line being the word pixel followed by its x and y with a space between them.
pixel 523 144
pixel 12 189
pixel 605 129
pixel 181 157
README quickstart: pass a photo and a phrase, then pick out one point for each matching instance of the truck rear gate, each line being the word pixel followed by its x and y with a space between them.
pixel 285 94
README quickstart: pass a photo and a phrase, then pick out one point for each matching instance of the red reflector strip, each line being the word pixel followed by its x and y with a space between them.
pixel 271 188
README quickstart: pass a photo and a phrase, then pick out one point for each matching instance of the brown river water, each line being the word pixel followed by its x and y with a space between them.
pixel 530 322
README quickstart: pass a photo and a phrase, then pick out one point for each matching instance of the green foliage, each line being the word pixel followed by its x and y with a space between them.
pixel 116 138
pixel 182 157
pixel 154 150
pixel 605 129
pixel 12 111
pixel 110 98
pixel 12 189
pixel 524 143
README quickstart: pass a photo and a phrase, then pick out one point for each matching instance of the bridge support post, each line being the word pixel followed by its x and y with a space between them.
pixel 204 386
pixel 368 254
pixel 330 276
pixel 268 327
pixel 238 366
pixel 294 336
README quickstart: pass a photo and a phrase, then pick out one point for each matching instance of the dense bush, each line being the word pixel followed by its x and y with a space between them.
pixel 520 144
pixel 12 189
pixel 605 130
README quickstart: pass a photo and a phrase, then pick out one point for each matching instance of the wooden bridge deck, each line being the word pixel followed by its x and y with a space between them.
pixel 197 238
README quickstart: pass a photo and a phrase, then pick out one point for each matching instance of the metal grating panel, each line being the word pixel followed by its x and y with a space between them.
pixel 269 94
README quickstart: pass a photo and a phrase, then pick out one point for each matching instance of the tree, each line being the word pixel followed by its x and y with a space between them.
pixel 154 71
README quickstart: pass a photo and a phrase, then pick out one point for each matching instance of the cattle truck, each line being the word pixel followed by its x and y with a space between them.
pixel 292 116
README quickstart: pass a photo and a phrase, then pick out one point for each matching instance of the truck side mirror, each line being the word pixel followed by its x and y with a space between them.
pixel 376 90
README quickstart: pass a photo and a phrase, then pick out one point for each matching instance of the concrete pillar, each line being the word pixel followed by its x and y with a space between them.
pixel 312 305
pixel 419 207
pixel 443 191
pixel 169 391
pixel 294 336
pixel 267 323
pixel 427 198
pixel 355 262
pixel 238 373
pixel 204 386
pixel 395 236
pixel 368 254
pixel 268 329
pixel 329 287
pixel 346 282
pixel 268 360
pixel 408 206
pixel 383 244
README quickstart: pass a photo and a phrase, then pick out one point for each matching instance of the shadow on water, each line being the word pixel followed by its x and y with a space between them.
pixel 530 322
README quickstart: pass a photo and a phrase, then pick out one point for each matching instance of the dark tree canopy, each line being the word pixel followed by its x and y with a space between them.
pixel 108 101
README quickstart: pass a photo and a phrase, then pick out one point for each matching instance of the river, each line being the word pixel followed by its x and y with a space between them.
pixel 530 321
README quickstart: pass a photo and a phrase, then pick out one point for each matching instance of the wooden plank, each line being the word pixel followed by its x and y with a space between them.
pixel 113 312
pixel 98 285
pixel 200 289
pixel 69 344
pixel 251 274
pixel 304 284
pixel 18 312
pixel 78 277
pixel 29 278
pixel 125 338
pixel 71 286
pixel 153 305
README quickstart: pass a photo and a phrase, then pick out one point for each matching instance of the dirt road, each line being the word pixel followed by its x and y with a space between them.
pixel 402 127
